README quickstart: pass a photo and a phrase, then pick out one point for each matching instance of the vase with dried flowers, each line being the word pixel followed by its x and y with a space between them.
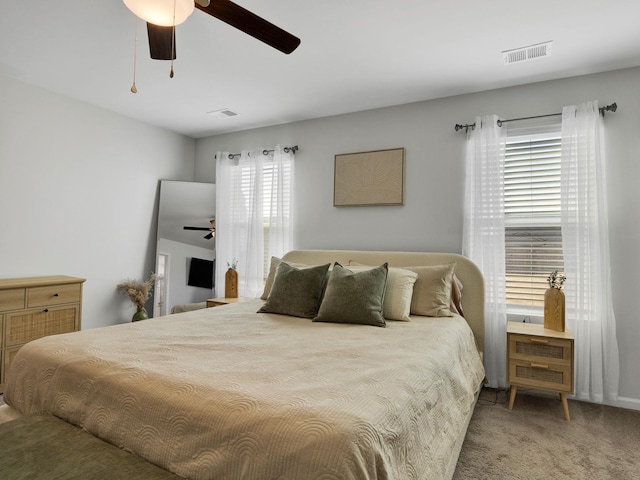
pixel 139 292
pixel 554 302
pixel 231 280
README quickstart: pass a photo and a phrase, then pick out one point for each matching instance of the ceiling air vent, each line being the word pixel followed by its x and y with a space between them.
pixel 525 54
pixel 222 113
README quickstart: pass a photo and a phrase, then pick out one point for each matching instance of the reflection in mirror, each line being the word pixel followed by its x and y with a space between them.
pixel 185 258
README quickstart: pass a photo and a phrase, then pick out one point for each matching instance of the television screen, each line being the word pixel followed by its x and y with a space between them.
pixel 201 273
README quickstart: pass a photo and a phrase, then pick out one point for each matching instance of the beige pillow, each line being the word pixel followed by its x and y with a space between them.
pixel 398 291
pixel 268 284
pixel 456 296
pixel 432 291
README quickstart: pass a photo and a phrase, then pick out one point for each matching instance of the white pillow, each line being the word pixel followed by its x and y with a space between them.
pixel 398 291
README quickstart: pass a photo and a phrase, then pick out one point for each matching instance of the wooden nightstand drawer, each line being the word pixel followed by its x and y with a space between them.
pixel 540 349
pixel 542 375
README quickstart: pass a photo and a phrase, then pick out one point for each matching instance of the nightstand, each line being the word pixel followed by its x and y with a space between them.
pixel 540 358
pixel 216 302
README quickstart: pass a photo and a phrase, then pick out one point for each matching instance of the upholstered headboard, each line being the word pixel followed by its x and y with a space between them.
pixel 466 270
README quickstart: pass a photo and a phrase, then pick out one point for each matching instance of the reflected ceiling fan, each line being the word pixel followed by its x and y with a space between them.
pixel 211 229
pixel 162 16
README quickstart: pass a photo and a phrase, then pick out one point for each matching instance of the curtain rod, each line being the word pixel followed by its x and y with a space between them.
pixel 609 108
pixel 293 149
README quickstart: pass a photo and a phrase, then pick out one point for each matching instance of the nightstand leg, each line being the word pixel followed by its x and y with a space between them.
pixel 565 407
pixel 512 396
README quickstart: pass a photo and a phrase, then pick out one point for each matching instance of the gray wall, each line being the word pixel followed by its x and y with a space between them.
pixel 79 194
pixel 432 216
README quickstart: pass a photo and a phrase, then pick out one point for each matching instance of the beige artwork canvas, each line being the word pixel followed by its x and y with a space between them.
pixel 369 178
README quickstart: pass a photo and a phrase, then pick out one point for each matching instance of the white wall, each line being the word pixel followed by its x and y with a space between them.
pixel 79 193
pixel 432 216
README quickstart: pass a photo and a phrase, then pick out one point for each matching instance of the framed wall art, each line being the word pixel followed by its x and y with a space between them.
pixel 369 178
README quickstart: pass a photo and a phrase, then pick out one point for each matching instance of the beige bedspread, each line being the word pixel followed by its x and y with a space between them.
pixel 224 393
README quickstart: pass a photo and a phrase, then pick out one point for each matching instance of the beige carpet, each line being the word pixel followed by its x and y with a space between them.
pixel 533 441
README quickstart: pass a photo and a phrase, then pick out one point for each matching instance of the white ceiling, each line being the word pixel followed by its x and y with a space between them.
pixel 355 55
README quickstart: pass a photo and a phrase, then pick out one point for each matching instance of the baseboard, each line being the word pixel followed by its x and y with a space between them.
pixel 620 402
pixel 626 402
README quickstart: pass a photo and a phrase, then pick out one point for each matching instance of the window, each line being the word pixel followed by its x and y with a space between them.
pixel 254 210
pixel 275 189
pixel 276 205
pixel 533 237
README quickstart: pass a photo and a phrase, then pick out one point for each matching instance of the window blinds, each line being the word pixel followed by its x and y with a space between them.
pixel 273 183
pixel 533 239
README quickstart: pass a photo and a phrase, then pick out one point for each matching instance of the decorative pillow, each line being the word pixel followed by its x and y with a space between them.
pixel 354 297
pixel 456 296
pixel 432 291
pixel 397 293
pixel 296 291
pixel 273 267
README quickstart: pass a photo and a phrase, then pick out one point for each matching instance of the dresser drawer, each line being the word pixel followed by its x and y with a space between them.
pixel 22 327
pixel 53 295
pixel 12 299
pixel 542 375
pixel 539 349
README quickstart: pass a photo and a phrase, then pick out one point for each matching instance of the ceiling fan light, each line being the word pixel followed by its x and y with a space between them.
pixel 160 12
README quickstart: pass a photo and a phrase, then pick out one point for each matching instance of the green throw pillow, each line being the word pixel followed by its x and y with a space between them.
pixel 354 297
pixel 296 291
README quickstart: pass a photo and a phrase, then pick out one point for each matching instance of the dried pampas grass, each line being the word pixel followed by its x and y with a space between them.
pixel 139 291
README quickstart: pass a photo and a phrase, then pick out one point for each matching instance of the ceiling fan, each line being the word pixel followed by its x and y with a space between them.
pixel 211 229
pixel 162 16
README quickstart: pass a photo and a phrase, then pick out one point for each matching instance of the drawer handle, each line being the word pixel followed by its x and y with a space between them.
pixel 539 340
pixel 46 310
pixel 56 294
pixel 539 365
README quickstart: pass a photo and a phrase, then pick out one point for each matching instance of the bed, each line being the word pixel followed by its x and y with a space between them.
pixel 227 393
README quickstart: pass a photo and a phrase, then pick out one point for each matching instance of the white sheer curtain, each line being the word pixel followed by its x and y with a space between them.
pixel 483 235
pixel 585 244
pixel 253 215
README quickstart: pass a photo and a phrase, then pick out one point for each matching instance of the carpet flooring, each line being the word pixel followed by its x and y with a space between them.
pixel 43 447
pixel 533 441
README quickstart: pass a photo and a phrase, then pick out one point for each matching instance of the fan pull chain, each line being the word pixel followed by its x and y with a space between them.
pixel 172 50
pixel 135 50
pixel 173 39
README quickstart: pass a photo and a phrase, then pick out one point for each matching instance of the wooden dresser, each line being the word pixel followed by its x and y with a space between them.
pixel 34 307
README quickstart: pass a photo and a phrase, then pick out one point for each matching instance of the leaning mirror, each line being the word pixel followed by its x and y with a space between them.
pixel 185 253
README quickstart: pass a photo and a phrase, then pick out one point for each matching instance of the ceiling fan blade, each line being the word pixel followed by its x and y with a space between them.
pixel 162 42
pixel 197 228
pixel 250 23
